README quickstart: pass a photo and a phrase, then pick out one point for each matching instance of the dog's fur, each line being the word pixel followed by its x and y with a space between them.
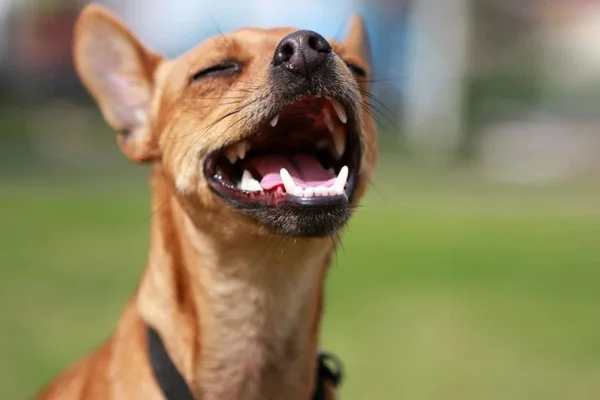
pixel 237 305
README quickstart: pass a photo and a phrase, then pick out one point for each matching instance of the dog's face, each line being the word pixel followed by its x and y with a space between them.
pixel 268 127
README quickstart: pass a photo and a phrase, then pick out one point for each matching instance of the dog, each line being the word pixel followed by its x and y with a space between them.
pixel 261 144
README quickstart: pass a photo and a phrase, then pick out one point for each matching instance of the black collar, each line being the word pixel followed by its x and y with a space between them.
pixel 174 387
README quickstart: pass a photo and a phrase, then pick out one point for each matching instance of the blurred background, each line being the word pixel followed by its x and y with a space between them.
pixel 470 272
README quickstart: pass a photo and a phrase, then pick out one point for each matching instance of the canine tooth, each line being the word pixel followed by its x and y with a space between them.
pixel 288 182
pixel 232 154
pixel 249 183
pixel 328 120
pixel 321 191
pixel 241 149
pixel 246 176
pixel 299 192
pixel 275 120
pixel 340 181
pixel 339 141
pixel 309 191
pixel 339 110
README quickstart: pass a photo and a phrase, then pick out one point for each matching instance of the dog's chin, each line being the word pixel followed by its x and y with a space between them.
pixel 297 220
pixel 304 221
pixel 297 172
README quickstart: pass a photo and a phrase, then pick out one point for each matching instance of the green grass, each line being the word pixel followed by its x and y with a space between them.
pixel 446 287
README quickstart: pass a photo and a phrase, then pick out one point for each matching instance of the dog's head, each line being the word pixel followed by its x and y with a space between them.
pixel 267 127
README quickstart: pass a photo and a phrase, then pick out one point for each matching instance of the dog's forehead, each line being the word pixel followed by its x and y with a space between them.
pixel 257 36
pixel 269 37
pixel 247 42
pixel 252 40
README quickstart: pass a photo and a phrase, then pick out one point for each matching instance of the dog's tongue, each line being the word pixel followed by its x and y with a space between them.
pixel 305 169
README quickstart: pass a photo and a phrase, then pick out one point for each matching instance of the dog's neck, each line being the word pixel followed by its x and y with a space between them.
pixel 238 313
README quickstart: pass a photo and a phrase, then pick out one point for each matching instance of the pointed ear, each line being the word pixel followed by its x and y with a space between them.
pixel 357 39
pixel 118 72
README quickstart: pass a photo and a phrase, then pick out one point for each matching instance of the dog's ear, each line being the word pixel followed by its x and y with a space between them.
pixel 356 42
pixel 118 72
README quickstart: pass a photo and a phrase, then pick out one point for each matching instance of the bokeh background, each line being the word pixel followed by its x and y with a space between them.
pixel 472 271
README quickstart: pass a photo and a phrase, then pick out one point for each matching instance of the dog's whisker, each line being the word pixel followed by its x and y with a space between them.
pixel 212 106
pixel 371 108
pixel 376 189
pixel 377 100
pixel 219 98
pixel 227 43
pixel 210 127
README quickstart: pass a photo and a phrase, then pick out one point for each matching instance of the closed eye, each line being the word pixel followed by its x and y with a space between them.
pixel 219 70
pixel 356 70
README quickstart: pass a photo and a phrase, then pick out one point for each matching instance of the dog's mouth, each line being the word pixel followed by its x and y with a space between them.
pixel 305 156
pixel 307 153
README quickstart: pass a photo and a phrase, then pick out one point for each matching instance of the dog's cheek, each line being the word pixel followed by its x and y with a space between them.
pixel 186 179
pixel 177 166
pixel 368 163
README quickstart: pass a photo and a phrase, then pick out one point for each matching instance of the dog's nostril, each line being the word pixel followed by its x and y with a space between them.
pixel 287 51
pixel 284 52
pixel 318 43
pixel 313 43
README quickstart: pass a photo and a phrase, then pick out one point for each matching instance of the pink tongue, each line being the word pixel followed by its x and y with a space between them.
pixel 304 169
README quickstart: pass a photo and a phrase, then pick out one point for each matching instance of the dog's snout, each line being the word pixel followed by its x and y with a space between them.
pixel 301 52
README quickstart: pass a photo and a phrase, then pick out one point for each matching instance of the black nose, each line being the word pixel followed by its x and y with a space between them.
pixel 301 52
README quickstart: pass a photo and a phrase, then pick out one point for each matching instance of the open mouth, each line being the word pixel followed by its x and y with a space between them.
pixel 308 154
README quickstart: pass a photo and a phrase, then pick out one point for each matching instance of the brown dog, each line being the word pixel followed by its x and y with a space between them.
pixel 261 143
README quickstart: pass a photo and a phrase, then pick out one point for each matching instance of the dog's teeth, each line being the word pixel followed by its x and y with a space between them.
pixel 321 191
pixel 241 149
pixel 340 181
pixel 339 141
pixel 232 154
pixel 318 95
pixel 298 191
pixel 254 186
pixel 236 151
pixel 309 191
pixel 288 182
pixel 328 120
pixel 249 183
pixel 274 121
pixel 243 183
pixel 339 110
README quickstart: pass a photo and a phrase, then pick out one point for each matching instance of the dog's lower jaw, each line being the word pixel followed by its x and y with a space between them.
pixel 239 316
